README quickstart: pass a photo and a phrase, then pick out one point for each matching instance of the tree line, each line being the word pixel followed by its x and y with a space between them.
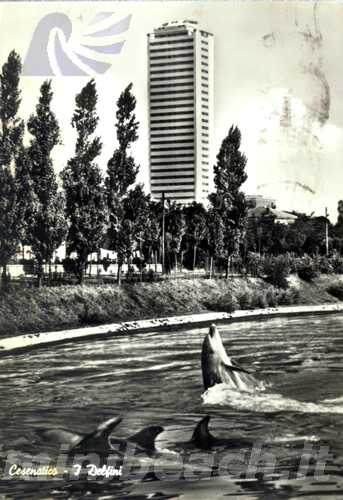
pixel 89 210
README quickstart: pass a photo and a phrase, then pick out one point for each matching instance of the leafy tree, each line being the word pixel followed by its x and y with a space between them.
pixel 337 230
pixel 48 228
pixel 175 228
pixel 85 202
pixel 215 236
pixel 195 219
pixel 260 232
pixel 136 212
pixel 153 232
pixel 121 174
pixel 12 200
pixel 228 199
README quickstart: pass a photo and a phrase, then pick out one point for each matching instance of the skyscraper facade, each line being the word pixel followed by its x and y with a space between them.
pixel 180 89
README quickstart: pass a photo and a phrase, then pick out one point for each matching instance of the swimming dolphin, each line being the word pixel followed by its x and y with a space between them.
pixel 202 438
pixel 100 440
pixel 218 368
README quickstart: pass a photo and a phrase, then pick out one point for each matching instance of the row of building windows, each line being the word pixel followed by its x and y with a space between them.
pixel 171 134
pixel 170 149
pixel 170 128
pixel 172 141
pixel 188 111
pixel 171 162
pixel 175 33
pixel 164 57
pixel 163 71
pixel 183 184
pixel 173 170
pixel 153 190
pixel 173 187
pixel 175 129
pixel 154 43
pixel 181 176
pixel 178 70
pixel 163 86
pixel 173 120
pixel 174 155
pixel 187 105
pixel 179 95
pixel 158 64
pixel 173 78
pixel 183 47
pixel 186 96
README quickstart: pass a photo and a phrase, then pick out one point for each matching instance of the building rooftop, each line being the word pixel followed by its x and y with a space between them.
pixel 258 212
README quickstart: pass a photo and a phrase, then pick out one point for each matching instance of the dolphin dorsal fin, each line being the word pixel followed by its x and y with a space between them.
pixel 145 438
pixel 201 435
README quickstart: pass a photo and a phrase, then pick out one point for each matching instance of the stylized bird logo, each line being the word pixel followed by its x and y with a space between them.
pixel 54 51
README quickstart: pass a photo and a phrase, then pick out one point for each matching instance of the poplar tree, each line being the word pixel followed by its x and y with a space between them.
pixel 12 200
pixel 121 168
pixel 228 199
pixel 85 201
pixel 48 228
pixel 121 175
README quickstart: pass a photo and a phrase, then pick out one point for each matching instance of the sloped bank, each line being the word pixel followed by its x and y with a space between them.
pixel 52 309
pixel 26 342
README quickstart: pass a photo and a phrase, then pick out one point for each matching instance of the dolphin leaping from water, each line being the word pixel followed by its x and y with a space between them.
pixel 218 368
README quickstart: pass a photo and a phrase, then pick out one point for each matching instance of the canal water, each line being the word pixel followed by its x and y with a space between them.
pixel 291 433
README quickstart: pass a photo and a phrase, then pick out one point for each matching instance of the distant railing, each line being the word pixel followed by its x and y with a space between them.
pixel 61 278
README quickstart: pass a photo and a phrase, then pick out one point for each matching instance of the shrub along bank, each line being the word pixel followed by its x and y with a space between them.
pixel 46 309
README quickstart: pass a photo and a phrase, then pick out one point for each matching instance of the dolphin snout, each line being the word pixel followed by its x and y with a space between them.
pixel 212 330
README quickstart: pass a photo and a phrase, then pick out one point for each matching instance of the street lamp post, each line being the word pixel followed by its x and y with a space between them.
pixel 163 232
pixel 326 232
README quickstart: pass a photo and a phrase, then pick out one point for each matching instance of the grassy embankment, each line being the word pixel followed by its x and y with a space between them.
pixel 33 310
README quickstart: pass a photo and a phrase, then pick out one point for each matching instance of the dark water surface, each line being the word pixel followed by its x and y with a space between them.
pixel 155 379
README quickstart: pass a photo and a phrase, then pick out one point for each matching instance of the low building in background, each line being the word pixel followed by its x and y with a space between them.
pixel 260 207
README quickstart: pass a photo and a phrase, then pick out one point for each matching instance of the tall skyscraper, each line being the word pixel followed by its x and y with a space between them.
pixel 180 89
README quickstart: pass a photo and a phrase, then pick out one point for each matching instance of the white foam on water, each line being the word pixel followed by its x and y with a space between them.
pixel 259 401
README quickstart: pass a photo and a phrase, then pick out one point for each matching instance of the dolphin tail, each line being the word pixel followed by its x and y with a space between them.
pixel 105 428
pixel 201 436
pixel 145 438
pixel 99 437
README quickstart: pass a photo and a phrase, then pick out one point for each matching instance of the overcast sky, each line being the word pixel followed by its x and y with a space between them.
pixel 266 54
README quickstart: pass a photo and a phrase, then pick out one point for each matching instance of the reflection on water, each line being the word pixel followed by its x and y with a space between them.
pixel 155 379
